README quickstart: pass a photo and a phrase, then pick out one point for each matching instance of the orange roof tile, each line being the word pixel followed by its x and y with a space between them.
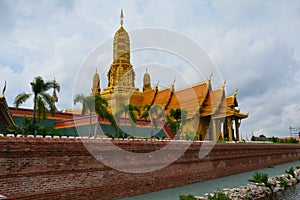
pixel 148 97
pixel 162 97
pixel 189 97
pixel 212 102
pixel 136 99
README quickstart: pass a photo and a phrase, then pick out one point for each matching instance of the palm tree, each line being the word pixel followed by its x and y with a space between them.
pixel 128 109
pixel 42 101
pixel 88 106
pixel 146 109
pixel 93 103
pixel 157 113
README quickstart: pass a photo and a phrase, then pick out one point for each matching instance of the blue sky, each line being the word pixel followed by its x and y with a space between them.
pixel 254 44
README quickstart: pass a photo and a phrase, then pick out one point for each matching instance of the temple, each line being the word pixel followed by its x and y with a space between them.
pixel 218 116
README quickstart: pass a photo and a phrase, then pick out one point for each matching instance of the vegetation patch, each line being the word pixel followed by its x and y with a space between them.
pixel 187 197
pixel 218 195
pixel 260 178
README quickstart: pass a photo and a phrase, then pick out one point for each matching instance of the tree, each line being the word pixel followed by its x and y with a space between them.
pixel 146 109
pixel 131 110
pixel 42 101
pixel 177 117
pixel 157 113
pixel 93 103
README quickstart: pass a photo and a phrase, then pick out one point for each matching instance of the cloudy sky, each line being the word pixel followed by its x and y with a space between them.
pixel 255 45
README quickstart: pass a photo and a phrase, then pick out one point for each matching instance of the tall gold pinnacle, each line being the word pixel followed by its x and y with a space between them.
pixel 121 17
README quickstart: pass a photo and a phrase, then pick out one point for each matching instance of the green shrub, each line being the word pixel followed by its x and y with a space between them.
pixel 47 130
pixel 109 135
pixel 219 196
pixel 260 178
pixel 283 182
pixel 292 140
pixel 291 172
pixel 187 197
pixel 57 133
pixel 274 139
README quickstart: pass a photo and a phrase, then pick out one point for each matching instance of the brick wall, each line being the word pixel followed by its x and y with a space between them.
pixel 39 168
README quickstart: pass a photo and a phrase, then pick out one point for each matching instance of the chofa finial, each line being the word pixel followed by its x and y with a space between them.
pixel 174 81
pixel 156 86
pixel 235 91
pixel 121 17
pixel 224 83
pixel 210 76
pixel 4 88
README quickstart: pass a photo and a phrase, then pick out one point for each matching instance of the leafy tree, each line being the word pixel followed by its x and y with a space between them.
pixel 175 118
pixel 178 115
pixel 131 110
pixel 95 103
pixel 42 101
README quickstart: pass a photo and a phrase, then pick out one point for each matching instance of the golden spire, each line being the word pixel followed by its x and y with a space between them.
pixel 54 96
pixel 96 84
pixel 147 82
pixel 121 17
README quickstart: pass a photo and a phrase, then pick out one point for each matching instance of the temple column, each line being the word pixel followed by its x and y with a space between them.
pixel 218 129
pixel 237 126
pixel 221 129
pixel 225 128
pixel 229 127
pixel 214 130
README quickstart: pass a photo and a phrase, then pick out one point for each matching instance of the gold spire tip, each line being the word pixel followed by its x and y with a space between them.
pixel 121 17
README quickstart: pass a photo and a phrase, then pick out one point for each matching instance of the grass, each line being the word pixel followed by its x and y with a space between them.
pixel 260 178
pixel 291 172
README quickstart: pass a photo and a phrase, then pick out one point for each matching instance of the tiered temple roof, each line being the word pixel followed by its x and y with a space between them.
pixel 6 118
